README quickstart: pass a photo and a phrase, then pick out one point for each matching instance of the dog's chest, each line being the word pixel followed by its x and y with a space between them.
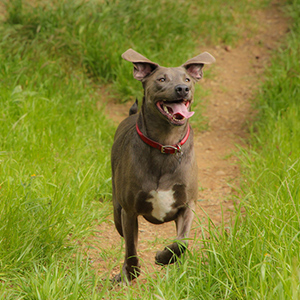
pixel 162 203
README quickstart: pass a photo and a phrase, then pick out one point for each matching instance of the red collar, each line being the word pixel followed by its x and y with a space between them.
pixel 167 149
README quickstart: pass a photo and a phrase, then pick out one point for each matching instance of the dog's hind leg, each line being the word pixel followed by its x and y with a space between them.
pixel 117 218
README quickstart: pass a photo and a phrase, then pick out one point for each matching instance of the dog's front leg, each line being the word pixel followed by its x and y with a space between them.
pixel 131 266
pixel 183 226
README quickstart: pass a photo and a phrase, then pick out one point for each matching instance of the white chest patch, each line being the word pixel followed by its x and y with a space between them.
pixel 162 203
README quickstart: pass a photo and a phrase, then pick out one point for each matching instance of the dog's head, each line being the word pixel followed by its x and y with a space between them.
pixel 168 91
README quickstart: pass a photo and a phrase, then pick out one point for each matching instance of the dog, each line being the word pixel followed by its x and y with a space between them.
pixel 154 170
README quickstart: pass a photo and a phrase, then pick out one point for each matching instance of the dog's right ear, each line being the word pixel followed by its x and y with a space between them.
pixel 142 65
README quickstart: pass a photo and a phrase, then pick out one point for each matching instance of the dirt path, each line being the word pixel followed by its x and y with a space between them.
pixel 238 74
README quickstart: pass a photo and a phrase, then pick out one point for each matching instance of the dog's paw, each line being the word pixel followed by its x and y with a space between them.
pixel 126 276
pixel 170 254
pixel 165 257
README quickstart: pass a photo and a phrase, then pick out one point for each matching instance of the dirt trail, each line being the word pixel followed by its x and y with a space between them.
pixel 238 74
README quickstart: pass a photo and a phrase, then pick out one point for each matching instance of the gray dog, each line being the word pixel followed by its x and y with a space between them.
pixel 154 170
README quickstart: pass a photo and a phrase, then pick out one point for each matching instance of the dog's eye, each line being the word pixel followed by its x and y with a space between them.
pixel 162 79
pixel 187 80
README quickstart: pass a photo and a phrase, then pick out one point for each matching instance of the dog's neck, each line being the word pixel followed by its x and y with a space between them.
pixel 159 129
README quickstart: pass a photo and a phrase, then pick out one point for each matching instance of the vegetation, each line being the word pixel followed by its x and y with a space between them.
pixel 92 35
pixel 56 58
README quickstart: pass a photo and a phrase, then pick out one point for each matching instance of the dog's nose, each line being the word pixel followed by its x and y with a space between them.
pixel 182 90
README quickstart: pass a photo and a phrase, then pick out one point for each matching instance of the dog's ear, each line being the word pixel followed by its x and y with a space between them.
pixel 142 65
pixel 194 65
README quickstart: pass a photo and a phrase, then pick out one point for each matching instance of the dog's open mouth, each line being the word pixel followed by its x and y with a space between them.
pixel 177 112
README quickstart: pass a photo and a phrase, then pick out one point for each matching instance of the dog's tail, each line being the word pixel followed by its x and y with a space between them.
pixel 134 108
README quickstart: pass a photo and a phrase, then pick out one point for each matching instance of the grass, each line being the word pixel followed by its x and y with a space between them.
pixel 54 168
pixel 272 172
pixel 92 35
pixel 55 145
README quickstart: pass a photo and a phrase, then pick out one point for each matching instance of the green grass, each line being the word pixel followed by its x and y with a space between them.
pixel 272 174
pixel 54 169
pixel 56 58
pixel 92 35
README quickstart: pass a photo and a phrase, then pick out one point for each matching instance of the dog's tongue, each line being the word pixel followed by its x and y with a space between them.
pixel 181 109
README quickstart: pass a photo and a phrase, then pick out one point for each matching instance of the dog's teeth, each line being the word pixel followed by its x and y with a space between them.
pixel 174 119
pixel 166 110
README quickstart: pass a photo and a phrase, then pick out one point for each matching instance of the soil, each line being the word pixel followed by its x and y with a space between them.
pixel 238 74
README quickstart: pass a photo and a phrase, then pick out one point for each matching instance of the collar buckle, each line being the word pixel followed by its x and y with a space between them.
pixel 169 149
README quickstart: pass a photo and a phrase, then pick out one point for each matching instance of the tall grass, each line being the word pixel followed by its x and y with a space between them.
pixel 94 34
pixel 54 169
pixel 273 173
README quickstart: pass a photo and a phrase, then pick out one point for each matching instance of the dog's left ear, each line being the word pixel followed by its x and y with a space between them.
pixel 194 65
